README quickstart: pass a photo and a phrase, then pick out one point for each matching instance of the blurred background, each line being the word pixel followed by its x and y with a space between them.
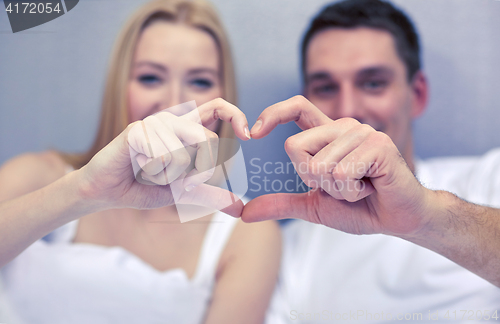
pixel 52 76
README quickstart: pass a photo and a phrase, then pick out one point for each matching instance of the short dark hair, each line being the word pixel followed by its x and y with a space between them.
pixel 375 14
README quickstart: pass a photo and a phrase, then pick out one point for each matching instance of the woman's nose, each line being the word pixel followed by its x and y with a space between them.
pixel 173 95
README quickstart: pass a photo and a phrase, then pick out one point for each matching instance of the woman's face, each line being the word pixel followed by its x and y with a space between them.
pixel 173 64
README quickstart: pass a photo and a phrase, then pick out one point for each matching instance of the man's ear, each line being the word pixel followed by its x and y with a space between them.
pixel 420 89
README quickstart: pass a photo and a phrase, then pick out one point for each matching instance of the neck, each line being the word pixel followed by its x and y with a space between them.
pixel 118 225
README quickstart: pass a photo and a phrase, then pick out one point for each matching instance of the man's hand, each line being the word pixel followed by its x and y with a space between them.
pixel 361 184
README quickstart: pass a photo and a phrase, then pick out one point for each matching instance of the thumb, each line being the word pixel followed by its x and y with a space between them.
pixel 276 206
pixel 208 196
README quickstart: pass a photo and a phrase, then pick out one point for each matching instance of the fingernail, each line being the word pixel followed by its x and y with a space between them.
pixel 190 187
pixel 247 132
pixel 257 126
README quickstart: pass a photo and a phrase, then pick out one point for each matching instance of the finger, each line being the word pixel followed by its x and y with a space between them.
pixel 204 165
pixel 302 147
pixel 177 110
pixel 315 172
pixel 155 146
pixel 157 179
pixel 195 178
pixel 153 155
pixel 342 184
pixel 189 132
pixel 353 172
pixel 339 143
pixel 216 109
pixel 204 141
pixel 144 145
pixel 316 207
pixel 160 159
pixel 317 151
pixel 206 145
pixel 180 159
pixel 329 158
pixel 142 160
pixel 297 109
pixel 276 206
pixel 139 141
pixel 213 197
pixel 315 139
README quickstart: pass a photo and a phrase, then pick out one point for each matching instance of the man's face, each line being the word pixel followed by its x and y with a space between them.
pixel 357 73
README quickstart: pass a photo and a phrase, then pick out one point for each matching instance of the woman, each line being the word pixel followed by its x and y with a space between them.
pixel 127 265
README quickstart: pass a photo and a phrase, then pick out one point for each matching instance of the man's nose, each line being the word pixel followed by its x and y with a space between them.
pixel 348 103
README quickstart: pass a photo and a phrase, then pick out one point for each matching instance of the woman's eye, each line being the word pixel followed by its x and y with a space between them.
pixel 202 83
pixel 149 79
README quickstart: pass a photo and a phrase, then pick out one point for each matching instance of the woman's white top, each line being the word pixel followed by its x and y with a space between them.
pixel 57 281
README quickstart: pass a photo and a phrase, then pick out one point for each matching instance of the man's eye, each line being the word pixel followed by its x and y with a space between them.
pixel 149 79
pixel 374 85
pixel 202 83
pixel 324 89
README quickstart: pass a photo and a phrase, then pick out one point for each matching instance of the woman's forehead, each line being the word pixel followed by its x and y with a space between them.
pixel 164 41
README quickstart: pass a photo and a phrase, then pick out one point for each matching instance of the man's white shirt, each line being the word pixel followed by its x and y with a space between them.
pixel 330 276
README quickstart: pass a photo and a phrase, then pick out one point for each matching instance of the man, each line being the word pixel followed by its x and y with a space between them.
pixel 361 61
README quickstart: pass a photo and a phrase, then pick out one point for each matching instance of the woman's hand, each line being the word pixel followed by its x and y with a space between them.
pixel 142 165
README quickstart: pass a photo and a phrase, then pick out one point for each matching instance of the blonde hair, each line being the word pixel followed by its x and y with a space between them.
pixel 114 113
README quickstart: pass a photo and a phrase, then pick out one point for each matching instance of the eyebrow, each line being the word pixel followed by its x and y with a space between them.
pixel 204 70
pixel 375 71
pixel 364 73
pixel 318 76
pixel 165 69
pixel 152 64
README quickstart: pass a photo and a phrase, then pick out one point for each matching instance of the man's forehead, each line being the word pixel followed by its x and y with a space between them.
pixel 347 51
